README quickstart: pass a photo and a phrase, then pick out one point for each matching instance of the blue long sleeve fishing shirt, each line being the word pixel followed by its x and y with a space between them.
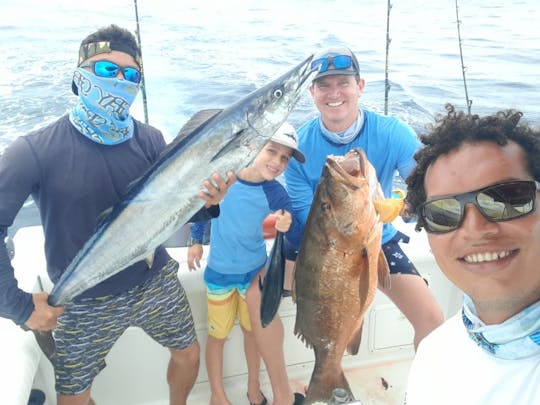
pixel 73 180
pixel 389 144
pixel 236 236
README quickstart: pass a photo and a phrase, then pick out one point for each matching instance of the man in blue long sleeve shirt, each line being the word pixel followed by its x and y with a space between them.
pixel 389 145
pixel 75 169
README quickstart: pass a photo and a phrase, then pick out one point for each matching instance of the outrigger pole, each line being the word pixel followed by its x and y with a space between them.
pixel 463 68
pixel 143 86
pixel 388 40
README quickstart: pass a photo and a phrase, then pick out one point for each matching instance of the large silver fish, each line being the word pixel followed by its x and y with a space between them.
pixel 166 197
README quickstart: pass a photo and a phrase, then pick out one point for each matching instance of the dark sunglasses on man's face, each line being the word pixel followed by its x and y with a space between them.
pixel 338 61
pixel 498 202
pixel 105 68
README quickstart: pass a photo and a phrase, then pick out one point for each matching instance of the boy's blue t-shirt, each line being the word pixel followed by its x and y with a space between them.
pixel 237 245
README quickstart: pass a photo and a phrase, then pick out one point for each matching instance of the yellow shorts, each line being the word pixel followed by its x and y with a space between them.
pixel 226 299
pixel 221 314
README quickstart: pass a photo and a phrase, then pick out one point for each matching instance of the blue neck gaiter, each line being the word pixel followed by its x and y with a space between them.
pixel 346 136
pixel 102 112
pixel 516 338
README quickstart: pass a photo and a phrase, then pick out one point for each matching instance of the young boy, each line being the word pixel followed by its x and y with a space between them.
pixel 236 263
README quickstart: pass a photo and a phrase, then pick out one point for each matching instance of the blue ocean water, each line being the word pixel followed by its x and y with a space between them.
pixel 204 54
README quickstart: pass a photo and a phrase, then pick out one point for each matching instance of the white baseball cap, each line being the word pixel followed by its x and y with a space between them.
pixel 286 136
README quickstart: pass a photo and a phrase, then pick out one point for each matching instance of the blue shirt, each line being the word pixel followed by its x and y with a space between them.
pixel 389 144
pixel 237 245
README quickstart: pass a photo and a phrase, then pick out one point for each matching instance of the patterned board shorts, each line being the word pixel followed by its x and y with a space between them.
pixel 87 330
pixel 226 300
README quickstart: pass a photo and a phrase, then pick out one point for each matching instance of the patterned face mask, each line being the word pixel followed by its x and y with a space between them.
pixel 102 112
pixel 515 338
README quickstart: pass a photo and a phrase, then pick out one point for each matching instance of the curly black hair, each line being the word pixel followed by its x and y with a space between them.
pixel 456 128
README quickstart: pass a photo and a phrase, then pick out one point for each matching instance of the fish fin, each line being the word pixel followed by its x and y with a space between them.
pixel 383 272
pixel 195 123
pixel 198 119
pixel 45 342
pixel 150 259
pixel 103 216
pixel 229 147
pixel 354 341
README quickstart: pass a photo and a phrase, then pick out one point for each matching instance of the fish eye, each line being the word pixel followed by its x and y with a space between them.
pixel 278 93
pixel 325 206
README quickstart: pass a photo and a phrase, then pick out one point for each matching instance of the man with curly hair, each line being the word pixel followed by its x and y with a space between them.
pixel 474 190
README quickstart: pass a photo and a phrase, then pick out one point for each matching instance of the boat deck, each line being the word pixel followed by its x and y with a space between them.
pixel 136 366
pixel 381 384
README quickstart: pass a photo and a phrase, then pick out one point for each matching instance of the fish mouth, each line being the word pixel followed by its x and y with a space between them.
pixel 350 167
pixel 305 74
pixel 308 72
pixel 278 98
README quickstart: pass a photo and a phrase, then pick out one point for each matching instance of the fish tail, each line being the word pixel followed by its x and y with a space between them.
pixel 46 343
pixel 327 376
pixel 321 387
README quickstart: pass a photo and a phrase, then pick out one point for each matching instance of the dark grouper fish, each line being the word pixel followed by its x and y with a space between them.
pixel 338 267
pixel 162 200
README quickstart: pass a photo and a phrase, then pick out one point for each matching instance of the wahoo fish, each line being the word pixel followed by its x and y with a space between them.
pixel 166 196
pixel 338 268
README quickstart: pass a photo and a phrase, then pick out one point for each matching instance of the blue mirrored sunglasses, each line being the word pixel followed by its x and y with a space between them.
pixel 105 68
pixel 338 61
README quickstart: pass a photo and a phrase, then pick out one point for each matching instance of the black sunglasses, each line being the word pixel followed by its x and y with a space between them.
pixel 105 68
pixel 498 202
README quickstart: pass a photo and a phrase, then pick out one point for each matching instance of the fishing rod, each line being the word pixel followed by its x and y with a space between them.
pixel 143 86
pixel 463 68
pixel 388 40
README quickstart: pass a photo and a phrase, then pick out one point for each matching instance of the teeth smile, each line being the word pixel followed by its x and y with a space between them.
pixel 336 104
pixel 486 257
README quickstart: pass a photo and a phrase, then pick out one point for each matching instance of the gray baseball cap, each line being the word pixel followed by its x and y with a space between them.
pixel 338 60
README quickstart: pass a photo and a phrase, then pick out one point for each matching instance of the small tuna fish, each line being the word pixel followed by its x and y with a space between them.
pixel 338 268
pixel 272 286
